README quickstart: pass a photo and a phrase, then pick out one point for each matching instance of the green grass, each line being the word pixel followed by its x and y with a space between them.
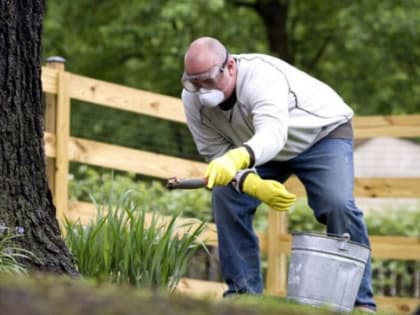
pixel 59 295
pixel 121 247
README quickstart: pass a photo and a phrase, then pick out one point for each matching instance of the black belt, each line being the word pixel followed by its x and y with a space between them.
pixel 344 131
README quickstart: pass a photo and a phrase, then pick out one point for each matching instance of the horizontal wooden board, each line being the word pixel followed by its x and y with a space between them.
pixel 398 187
pixel 162 166
pixel 201 288
pixel 126 98
pixel 371 187
pixel 397 305
pixel 386 126
pixel 395 247
pixel 125 159
pixel 170 108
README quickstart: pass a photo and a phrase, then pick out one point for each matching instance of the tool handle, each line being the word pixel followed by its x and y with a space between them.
pixel 188 183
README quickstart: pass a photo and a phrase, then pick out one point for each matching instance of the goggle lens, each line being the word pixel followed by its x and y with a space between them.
pixel 208 79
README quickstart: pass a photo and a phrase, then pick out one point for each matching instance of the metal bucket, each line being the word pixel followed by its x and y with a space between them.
pixel 325 270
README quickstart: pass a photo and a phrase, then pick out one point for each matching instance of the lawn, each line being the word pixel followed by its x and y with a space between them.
pixel 40 294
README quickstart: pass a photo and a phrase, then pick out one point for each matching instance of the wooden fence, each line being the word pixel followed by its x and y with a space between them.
pixel 60 87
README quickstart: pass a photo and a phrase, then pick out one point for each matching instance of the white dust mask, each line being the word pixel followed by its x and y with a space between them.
pixel 211 98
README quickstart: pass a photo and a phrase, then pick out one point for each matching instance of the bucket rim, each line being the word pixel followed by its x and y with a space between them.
pixel 337 237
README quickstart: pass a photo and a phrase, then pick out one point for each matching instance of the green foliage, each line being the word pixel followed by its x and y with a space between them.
pixel 86 181
pixel 11 254
pixel 394 277
pixel 368 52
pixel 390 276
pixel 139 44
pixel 397 222
pixel 371 60
pixel 301 218
pixel 121 246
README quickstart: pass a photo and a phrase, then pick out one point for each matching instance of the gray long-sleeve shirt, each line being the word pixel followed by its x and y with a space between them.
pixel 280 111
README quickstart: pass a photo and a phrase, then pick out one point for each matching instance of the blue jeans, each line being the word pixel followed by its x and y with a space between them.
pixel 326 170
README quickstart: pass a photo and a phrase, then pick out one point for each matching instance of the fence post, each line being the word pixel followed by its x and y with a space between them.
pixel 57 121
pixel 277 262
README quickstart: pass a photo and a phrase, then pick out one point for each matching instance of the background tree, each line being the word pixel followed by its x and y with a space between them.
pixel 366 50
pixel 25 199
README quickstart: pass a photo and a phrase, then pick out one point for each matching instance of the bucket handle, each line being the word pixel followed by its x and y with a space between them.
pixel 344 242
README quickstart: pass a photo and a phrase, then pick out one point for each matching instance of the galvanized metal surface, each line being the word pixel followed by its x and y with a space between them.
pixel 325 271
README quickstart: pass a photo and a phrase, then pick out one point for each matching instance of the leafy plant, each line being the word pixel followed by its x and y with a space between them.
pixel 10 253
pixel 125 245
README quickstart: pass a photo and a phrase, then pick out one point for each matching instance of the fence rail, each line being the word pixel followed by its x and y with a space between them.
pixel 61 86
pixel 161 166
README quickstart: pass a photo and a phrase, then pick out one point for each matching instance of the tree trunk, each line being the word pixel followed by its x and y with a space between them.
pixel 25 199
pixel 274 14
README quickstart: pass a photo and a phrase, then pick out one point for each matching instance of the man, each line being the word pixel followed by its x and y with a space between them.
pixel 255 114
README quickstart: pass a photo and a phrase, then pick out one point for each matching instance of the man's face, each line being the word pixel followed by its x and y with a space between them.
pixel 204 73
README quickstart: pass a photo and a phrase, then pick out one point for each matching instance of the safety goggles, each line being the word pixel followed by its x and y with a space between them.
pixel 206 80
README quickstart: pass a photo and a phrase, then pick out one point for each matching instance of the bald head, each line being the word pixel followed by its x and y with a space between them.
pixel 202 54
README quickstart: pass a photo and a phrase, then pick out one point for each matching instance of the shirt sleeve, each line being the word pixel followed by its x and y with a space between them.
pixel 266 93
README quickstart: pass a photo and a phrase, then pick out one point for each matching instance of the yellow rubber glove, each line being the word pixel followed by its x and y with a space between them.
pixel 222 169
pixel 271 192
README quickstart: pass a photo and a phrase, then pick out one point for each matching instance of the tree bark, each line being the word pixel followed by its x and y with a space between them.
pixel 25 199
pixel 274 14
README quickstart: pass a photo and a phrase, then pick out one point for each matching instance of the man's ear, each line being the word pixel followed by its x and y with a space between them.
pixel 231 65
